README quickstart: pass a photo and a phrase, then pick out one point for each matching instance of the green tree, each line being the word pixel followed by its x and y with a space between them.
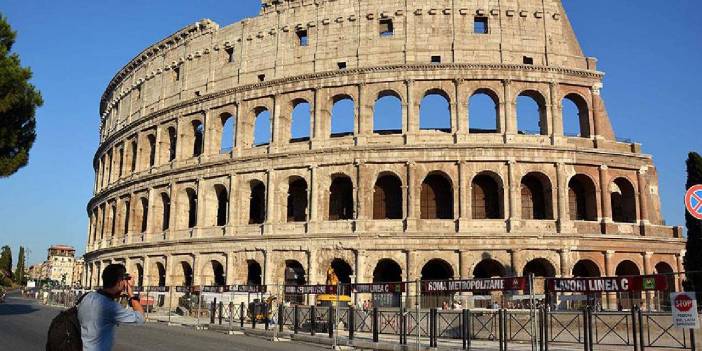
pixel 19 270
pixel 5 265
pixel 693 255
pixel 18 103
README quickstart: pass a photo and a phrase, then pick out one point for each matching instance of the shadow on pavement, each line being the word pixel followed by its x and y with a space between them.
pixel 15 307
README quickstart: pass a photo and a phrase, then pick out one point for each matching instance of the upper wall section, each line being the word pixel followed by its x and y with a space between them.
pixel 296 37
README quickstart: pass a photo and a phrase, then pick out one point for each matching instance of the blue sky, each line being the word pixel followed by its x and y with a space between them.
pixel 652 60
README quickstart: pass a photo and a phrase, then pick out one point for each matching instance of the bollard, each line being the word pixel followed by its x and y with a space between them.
pixel 296 320
pixel 586 340
pixel 254 316
pixel 313 320
pixel 352 321
pixel 374 324
pixel 639 314
pixel 221 306
pixel 213 309
pixel 266 320
pixel 281 317
pixel 403 327
pixel 634 329
pixel 465 329
pixel 545 327
pixel 501 331
pixel 242 316
pixel 693 347
pixel 231 316
pixel 330 323
pixel 589 329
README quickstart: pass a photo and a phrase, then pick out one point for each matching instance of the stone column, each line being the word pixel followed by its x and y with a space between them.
pixel 648 269
pixel 643 196
pixel 270 200
pixel 268 267
pixel 556 114
pixel 564 223
pixel 314 197
pixel 317 132
pixel 412 121
pixel 564 255
pixel 364 117
pixel 605 195
pixel 312 269
pixel 514 262
pixel 454 117
pixel 361 196
pixel 513 184
pixel 462 118
pixel 412 197
pixel 201 187
pixel 609 272
pixel 464 196
pixel 509 109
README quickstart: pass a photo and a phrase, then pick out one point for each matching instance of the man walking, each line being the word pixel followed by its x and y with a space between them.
pixel 99 313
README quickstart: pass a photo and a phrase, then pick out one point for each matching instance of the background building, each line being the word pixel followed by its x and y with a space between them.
pixel 60 263
pixel 269 150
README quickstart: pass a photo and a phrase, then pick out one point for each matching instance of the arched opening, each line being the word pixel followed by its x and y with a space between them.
pixel 297 200
pixel 387 197
pixel 192 207
pixel 662 298
pixel 218 277
pixel 483 112
pixel 161 273
pixel 531 113
pixel 187 271
pixel 140 275
pixel 437 197
pixel 536 197
pixel 172 142
pixel 341 198
pixel 489 268
pixel 576 116
pixel 253 273
pixel 300 121
pixel 133 149
pixel 113 219
pixel 126 214
pixel 435 111
pixel 387 113
pixel 262 127
pixel 166 205
pixel 342 116
pixel 152 150
pixel 342 272
pixel 198 137
pixel 539 267
pixel 586 269
pixel 222 205
pixel 437 269
pixel 627 300
pixel 486 199
pixel 582 203
pixel 144 214
pixel 387 271
pixel 623 200
pixel 294 275
pixel 257 203
pixel 226 143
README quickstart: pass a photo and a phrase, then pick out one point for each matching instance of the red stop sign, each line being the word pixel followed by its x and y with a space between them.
pixel 683 303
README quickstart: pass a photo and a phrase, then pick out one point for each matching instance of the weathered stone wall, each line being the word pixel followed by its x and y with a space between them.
pixel 204 75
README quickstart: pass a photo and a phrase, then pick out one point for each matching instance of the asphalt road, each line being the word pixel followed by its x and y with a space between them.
pixel 24 324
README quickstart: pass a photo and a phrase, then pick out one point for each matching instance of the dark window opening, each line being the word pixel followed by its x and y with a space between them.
pixel 218 273
pixel 581 199
pixel 121 161
pixel 198 136
pixel 257 203
pixel 486 198
pixel 192 208
pixel 480 25
pixel 134 156
pixel 166 220
pixel 341 65
pixel 253 276
pixel 261 77
pixel 387 198
pixel 341 199
pixel 297 201
pixel 222 205
pixel 187 274
pixel 152 150
pixel 436 59
pixel 386 27
pixel 230 55
pixel 172 141
pixel 436 198
pixel 623 201
pixel 127 209
pixel 114 220
pixel 303 38
pixel 176 73
pixel 535 199
pixel 144 214
pixel 528 60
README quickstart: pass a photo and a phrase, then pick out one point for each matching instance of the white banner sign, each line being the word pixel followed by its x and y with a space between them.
pixel 684 310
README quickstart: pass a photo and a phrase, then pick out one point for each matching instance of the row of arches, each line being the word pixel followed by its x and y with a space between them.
pixel 191 138
pixel 436 201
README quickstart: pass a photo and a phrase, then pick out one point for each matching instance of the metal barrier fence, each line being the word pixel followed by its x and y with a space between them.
pixel 460 314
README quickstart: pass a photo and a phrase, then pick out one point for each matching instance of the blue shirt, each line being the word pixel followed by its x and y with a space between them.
pixel 98 316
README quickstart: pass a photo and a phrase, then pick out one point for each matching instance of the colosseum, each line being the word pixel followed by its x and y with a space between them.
pixel 258 152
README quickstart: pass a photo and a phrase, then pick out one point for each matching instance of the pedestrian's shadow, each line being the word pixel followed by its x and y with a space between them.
pixel 8 309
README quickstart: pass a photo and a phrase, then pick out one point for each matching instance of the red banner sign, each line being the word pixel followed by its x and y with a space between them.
pixel 379 288
pixel 474 285
pixel 608 284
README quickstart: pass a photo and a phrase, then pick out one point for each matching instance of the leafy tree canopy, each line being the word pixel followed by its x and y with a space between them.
pixel 18 103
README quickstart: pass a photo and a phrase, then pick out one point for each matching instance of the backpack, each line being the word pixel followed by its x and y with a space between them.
pixel 64 331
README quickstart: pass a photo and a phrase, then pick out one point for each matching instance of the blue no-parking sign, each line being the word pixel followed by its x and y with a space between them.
pixel 693 201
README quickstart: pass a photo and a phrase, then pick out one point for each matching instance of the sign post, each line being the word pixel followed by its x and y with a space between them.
pixel 685 310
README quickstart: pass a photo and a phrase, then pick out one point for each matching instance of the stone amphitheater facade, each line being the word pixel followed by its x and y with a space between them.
pixel 416 203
